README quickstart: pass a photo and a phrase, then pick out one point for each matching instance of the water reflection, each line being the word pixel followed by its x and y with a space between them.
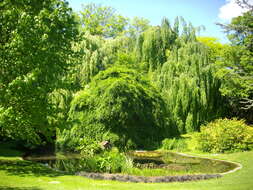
pixel 72 163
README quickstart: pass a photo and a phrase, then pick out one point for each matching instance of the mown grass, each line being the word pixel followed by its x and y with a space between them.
pixel 16 174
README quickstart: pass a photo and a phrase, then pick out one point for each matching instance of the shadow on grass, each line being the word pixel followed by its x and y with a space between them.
pixel 21 167
pixel 9 149
pixel 10 153
pixel 19 188
pixel 27 168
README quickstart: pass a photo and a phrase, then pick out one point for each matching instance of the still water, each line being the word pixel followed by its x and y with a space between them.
pixel 142 160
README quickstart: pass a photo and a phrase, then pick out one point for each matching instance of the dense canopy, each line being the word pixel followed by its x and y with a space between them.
pixel 120 106
pixel 80 78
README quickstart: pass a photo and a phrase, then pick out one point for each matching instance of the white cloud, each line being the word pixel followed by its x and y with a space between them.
pixel 231 10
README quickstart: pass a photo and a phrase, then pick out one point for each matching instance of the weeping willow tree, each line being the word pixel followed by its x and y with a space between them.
pixel 152 44
pixel 190 88
pixel 180 66
pixel 95 54
pixel 91 57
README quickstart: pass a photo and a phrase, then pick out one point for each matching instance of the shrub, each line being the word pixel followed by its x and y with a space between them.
pixel 225 135
pixel 66 141
pixel 72 141
pixel 120 106
pixel 109 161
pixel 174 144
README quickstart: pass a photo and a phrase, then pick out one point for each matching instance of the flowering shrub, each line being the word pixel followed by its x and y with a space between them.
pixel 225 135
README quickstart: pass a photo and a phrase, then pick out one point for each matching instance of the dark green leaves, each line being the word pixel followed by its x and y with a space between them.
pixel 118 101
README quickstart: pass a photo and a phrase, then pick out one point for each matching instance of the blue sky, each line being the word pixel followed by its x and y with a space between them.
pixel 198 12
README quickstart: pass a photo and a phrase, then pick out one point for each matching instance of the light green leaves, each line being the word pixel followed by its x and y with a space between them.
pixel 34 48
pixel 102 20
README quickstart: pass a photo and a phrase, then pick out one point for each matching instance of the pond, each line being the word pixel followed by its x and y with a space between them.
pixel 145 163
pixel 177 164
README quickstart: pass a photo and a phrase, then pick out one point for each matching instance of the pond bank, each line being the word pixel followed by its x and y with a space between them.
pixel 167 161
pixel 160 179
pixel 141 179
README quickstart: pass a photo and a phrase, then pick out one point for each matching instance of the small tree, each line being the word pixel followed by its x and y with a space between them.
pixel 121 106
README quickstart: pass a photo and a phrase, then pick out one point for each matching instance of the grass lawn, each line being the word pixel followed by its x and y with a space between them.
pixel 17 174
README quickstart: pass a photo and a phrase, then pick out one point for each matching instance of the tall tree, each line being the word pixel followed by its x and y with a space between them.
pixel 190 88
pixel 137 26
pixel 181 68
pixel 102 20
pixel 35 45
pixel 239 72
pixel 91 57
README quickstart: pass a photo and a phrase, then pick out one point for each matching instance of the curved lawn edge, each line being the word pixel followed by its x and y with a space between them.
pixel 239 165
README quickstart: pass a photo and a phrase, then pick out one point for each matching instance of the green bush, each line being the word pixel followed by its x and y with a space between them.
pixel 71 140
pixel 174 144
pixel 225 135
pixel 109 161
pixel 67 141
pixel 120 106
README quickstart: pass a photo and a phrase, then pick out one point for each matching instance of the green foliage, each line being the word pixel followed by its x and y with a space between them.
pixel 119 103
pixel 99 93
pixel 91 57
pixel 152 44
pixel 181 68
pixel 190 87
pixel 235 85
pixel 238 78
pixel 66 141
pixel 215 48
pixel 60 100
pixel 34 48
pixel 225 135
pixel 178 144
pixel 102 20
pixel 94 54
pixel 138 26
pixel 111 161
